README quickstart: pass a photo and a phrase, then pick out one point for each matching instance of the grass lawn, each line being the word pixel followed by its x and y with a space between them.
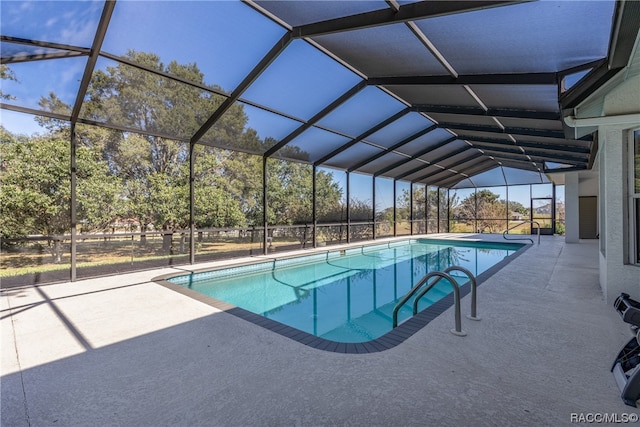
pixel 37 258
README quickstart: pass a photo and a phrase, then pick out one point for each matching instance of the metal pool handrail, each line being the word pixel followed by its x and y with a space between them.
pixel 456 298
pixel 504 233
pixel 474 286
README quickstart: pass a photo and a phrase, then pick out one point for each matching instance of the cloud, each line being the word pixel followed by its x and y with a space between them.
pixel 51 22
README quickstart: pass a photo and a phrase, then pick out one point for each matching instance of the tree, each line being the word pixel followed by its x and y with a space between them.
pixel 484 207
pixel 433 199
pixel 218 202
pixel 402 206
pixel 361 210
pixel 518 207
pixel 290 194
pixel 36 189
pixel 420 211
pixel 154 170
pixel 6 74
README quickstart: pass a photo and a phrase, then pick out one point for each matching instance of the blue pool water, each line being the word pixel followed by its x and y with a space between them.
pixel 345 296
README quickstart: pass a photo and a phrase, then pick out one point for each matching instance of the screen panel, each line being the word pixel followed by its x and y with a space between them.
pixel 69 22
pixel 301 81
pixel 524 97
pixel 233 36
pixel 382 162
pixel 567 34
pixel 300 13
pixel 389 50
pixel 312 144
pixel 123 95
pixel 431 139
pixel 449 95
pixel 353 155
pixel 399 130
pixel 31 90
pixel 355 116
pixel 262 129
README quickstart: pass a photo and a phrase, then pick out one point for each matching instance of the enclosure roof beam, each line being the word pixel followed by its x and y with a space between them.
pixel 491 112
pixel 625 30
pixel 435 161
pixel 479 167
pixel 416 155
pixel 48 45
pixel 406 13
pixel 394 147
pixel 271 56
pixel 507 130
pixel 563 170
pixel 529 157
pixel 364 135
pixel 520 164
pixel 328 109
pixel 560 147
pixel 476 160
pixel 39 57
pixel 51 115
pixel 101 31
pixel 451 166
pixel 550 79
pixel 516 150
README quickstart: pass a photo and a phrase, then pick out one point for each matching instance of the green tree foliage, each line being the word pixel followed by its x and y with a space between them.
pixel 360 210
pixel 54 104
pixel 290 193
pixel 6 74
pixel 419 208
pixel 403 205
pixel 518 207
pixel 153 171
pixel 484 206
pixel 36 190
pixel 128 96
pixel 432 209
pixel 218 202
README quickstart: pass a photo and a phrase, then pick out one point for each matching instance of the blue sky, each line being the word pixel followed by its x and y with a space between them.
pixel 225 38
pixel 155 30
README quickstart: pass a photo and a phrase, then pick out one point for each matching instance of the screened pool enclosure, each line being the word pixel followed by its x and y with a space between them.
pixel 141 134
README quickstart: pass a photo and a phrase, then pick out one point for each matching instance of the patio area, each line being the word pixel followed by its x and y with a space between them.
pixel 124 350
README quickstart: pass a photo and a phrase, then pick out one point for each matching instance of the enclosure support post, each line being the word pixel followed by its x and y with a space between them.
pixel 348 209
pixel 395 229
pixel 373 233
pixel 264 205
pixel 448 211
pixel 192 204
pixel 506 187
pixel 553 209
pixel 411 208
pixel 475 210
pixel 426 208
pixel 314 211
pixel 73 210
pixel 438 210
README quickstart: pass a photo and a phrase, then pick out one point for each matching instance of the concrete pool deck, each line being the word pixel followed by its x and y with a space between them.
pixel 123 350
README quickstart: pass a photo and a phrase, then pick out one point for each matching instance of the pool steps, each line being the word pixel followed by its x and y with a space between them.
pixel 421 291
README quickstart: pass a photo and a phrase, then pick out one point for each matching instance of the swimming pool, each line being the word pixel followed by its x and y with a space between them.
pixel 345 296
